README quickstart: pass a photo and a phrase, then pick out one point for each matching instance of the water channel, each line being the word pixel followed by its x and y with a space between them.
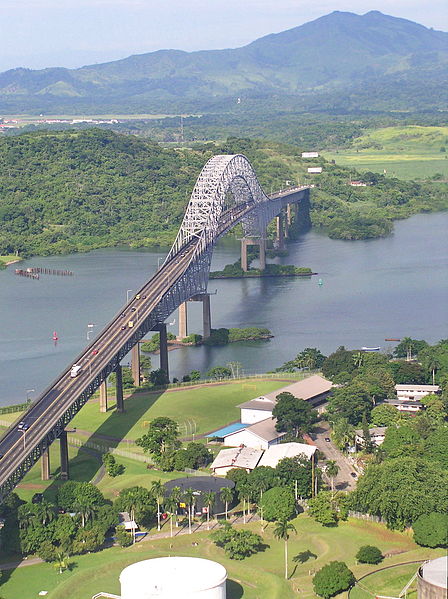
pixel 371 290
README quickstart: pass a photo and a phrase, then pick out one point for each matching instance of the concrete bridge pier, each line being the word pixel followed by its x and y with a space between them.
pixel 45 465
pixel 164 349
pixel 103 396
pixel 206 316
pixel 135 364
pixel 245 242
pixel 183 321
pixel 119 388
pixel 280 239
pixel 63 447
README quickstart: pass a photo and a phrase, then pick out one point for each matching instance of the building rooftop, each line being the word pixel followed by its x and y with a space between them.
pixel 227 430
pixel 415 386
pixel 275 453
pixel 265 429
pixel 237 457
pixel 376 430
pixel 259 403
pixel 305 389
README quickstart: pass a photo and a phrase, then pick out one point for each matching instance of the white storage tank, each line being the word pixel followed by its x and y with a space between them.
pixel 174 578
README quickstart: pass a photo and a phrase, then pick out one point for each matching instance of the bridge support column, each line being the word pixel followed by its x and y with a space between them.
pixel 135 364
pixel 103 396
pixel 206 316
pixel 119 388
pixel 288 214
pixel 244 244
pixel 183 321
pixel 164 349
pixel 280 239
pixel 261 242
pixel 63 447
pixel 262 246
pixel 45 465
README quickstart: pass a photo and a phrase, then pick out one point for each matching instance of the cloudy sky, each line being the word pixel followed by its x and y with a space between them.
pixel 71 33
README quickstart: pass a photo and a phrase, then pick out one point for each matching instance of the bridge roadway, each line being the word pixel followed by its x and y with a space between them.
pixel 45 412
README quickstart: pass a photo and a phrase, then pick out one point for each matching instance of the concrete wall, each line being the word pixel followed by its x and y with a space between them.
pixel 249 416
pixel 427 590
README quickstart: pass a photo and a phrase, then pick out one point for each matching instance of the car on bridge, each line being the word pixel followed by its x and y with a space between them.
pixel 130 324
pixel 22 426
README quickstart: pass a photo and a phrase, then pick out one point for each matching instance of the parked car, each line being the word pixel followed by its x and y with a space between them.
pixel 327 439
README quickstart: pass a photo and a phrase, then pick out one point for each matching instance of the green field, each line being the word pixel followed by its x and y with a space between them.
pixel 257 577
pixel 9 258
pixel 388 582
pixel 210 406
pixel 409 153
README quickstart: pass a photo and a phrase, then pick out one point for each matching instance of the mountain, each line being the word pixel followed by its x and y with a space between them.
pixel 339 53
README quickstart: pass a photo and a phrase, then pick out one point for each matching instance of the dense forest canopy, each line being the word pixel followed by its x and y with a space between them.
pixel 71 191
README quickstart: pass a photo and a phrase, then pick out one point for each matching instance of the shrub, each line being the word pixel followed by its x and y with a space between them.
pixel 332 579
pixel 368 554
pixel 123 538
pixel 278 504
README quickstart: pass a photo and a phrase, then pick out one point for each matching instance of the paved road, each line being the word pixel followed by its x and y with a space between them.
pixel 343 481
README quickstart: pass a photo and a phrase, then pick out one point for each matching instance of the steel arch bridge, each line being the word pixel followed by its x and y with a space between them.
pixel 226 192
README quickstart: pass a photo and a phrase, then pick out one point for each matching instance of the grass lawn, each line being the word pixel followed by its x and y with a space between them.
pixel 257 577
pixel 208 406
pixel 9 258
pixel 411 152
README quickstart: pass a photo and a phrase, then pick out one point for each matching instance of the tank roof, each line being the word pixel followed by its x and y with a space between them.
pixel 436 571
pixel 200 483
pixel 167 574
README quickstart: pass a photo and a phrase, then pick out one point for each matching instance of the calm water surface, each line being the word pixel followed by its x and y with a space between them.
pixel 371 290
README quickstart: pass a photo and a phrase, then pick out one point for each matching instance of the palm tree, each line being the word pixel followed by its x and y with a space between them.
pixel 343 433
pixel 61 561
pixel 189 500
pixel 281 531
pixel 46 512
pixel 431 362
pixel 409 344
pixel 358 359
pixel 158 492
pixel 171 507
pixel 209 499
pixel 226 494
pixel 332 470
pixel 176 495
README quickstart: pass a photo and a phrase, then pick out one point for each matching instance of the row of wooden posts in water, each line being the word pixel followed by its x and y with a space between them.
pixel 35 272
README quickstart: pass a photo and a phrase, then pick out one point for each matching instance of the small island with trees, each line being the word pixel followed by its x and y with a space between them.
pixel 234 271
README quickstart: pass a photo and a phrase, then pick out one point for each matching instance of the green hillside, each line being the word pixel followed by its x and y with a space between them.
pixel 340 60
pixel 71 191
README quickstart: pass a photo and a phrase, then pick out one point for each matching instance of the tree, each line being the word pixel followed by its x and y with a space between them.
pixel 171 504
pixel 188 497
pixel 409 347
pixel 297 474
pixel 435 408
pixel 369 554
pixel 138 501
pixel 435 446
pixel 368 445
pixel 237 544
pixel 384 415
pixel 158 492
pixel 431 361
pixel 332 470
pixel 405 373
pixel 322 509
pixel 401 441
pixel 332 579
pixel 339 361
pixel 209 499
pixel 350 402
pixel 278 504
pixel 162 437
pixel 293 415
pixel 343 433
pixel 431 530
pixel 123 538
pixel 88 540
pixel 281 531
pixel 194 456
pixel 401 489
pixel 61 561
pixel 226 494
pixel 158 377
pixel 218 373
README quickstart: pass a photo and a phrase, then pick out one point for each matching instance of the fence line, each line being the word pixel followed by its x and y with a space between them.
pixel 362 516
pixel 104 448
pixel 20 407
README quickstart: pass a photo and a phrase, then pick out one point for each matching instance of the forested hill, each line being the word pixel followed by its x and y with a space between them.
pixel 352 58
pixel 74 191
